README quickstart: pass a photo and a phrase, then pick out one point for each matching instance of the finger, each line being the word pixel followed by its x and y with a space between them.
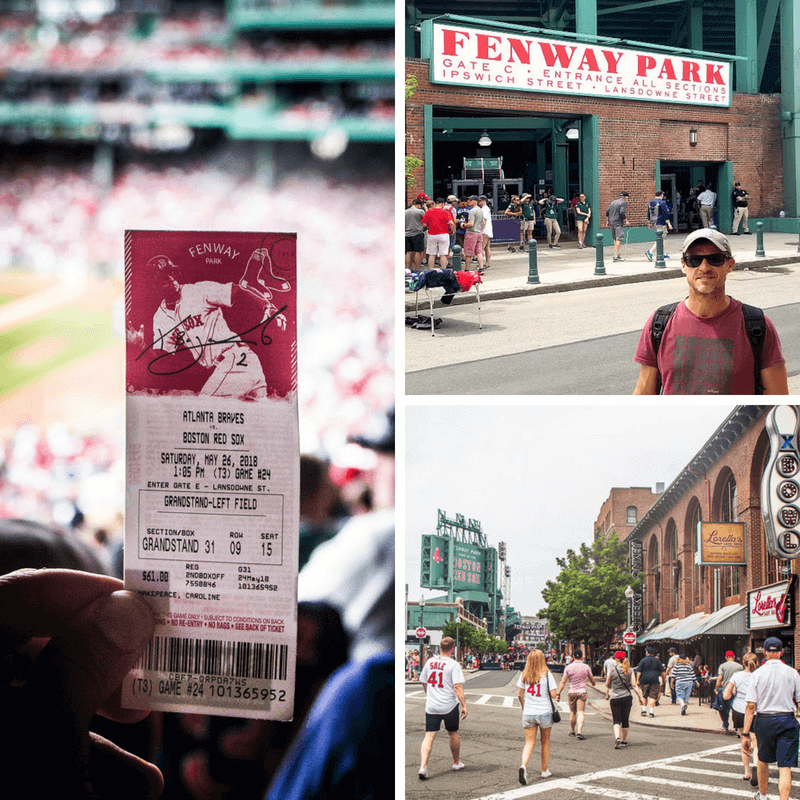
pixel 112 709
pixel 39 602
pixel 119 774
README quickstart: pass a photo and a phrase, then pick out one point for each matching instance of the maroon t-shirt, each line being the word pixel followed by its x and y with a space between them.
pixel 437 220
pixel 707 355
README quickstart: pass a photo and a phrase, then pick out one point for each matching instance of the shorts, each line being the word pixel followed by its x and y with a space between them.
pixel 777 739
pixel 542 720
pixel 416 243
pixel 619 232
pixel 528 224
pixel 438 244
pixel 473 244
pixel 581 221
pixel 434 721
pixel 573 701
pixel 621 710
pixel 737 720
pixel 650 690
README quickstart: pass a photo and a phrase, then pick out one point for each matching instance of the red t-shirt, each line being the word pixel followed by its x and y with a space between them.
pixel 437 220
pixel 707 356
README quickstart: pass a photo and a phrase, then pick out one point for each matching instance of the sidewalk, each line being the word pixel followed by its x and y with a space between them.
pixel 698 718
pixel 569 268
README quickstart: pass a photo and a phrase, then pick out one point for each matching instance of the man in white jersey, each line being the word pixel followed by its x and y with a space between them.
pixel 443 682
pixel 190 317
pixel 773 696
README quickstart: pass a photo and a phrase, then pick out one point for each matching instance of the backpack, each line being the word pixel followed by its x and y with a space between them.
pixel 653 208
pixel 754 325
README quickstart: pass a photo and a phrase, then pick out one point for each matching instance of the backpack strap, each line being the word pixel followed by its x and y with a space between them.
pixel 660 320
pixel 756 328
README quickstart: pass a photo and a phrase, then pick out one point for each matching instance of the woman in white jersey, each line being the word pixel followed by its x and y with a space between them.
pixel 737 688
pixel 537 687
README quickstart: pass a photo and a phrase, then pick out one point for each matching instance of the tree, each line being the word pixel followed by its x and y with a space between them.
pixel 587 599
pixel 412 162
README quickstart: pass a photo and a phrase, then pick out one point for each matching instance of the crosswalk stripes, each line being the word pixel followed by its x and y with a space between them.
pixel 494 701
pixel 641 783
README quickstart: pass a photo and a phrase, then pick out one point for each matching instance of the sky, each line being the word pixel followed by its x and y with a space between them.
pixel 536 475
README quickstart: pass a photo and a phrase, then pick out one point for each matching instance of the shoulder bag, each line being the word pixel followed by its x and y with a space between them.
pixel 556 712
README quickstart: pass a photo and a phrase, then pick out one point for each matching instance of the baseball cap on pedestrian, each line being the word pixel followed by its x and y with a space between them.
pixel 621 655
pixel 483 197
pixel 474 197
pixel 730 654
pixel 719 240
pixel 773 645
pixel 439 200
pixel 451 198
pixel 737 183
pixel 624 194
pixel 422 196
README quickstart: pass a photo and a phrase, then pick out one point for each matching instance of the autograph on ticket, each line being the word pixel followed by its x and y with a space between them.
pixel 211 527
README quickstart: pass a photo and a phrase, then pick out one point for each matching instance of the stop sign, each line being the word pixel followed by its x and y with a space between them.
pixel 629 637
pixel 422 633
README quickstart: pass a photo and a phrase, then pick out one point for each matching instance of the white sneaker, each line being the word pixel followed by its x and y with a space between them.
pixel 458 766
pixel 423 773
pixel 652 714
pixel 547 774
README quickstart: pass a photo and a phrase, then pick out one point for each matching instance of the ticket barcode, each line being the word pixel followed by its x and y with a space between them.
pixel 214 657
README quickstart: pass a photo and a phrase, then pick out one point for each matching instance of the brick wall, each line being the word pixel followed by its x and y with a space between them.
pixel 614 512
pixel 633 135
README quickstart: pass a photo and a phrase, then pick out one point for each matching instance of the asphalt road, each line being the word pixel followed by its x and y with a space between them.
pixel 598 366
pixel 659 763
pixel 580 342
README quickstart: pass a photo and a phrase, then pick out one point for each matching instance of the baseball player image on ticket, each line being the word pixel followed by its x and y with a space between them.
pixel 212 489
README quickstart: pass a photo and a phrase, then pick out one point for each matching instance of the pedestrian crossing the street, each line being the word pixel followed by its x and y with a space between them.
pixel 706 775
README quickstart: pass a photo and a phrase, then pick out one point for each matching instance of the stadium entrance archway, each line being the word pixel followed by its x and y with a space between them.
pixel 678 178
pixel 527 153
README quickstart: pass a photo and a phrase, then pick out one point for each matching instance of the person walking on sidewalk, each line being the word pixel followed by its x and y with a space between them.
pixel 773 696
pixel 583 213
pixel 617 214
pixel 443 682
pixel 737 689
pixel 682 674
pixel 649 673
pixel 577 673
pixel 726 670
pixel 619 693
pixel 673 657
pixel 537 688
pixel 658 220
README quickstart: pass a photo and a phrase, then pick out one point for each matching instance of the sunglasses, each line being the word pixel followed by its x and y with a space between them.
pixel 714 259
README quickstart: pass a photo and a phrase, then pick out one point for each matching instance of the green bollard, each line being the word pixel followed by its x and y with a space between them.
pixel 456 258
pixel 660 263
pixel 760 240
pixel 599 266
pixel 533 269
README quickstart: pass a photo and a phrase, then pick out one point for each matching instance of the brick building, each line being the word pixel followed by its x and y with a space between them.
pixel 702 606
pixel 477 80
pixel 624 508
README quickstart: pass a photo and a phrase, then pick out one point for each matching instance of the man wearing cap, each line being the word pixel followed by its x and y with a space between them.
pixel 549 205
pixel 773 696
pixel 726 669
pixel 440 225
pixel 617 214
pixel 740 212
pixel 704 346
pixel 415 234
pixel 488 231
pixel 473 233
pixel 673 657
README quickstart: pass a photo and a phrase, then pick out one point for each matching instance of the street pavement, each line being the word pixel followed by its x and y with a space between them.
pixel 568 268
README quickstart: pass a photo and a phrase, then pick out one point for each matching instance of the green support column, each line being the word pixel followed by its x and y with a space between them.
pixel 541 165
pixel 790 105
pixel 586 17
pixel 696 25
pixel 427 135
pixel 590 166
pixel 724 199
pixel 560 179
pixel 746 16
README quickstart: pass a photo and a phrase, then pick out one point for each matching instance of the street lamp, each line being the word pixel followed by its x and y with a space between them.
pixel 421 641
pixel 459 603
pixel 629 593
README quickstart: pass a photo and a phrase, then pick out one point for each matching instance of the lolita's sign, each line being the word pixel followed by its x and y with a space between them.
pixel 771 606
pixel 722 543
pixel 503 60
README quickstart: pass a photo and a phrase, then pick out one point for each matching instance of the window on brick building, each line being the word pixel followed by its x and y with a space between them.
pixel 631 515
pixel 698 574
pixel 728 512
pixel 673 567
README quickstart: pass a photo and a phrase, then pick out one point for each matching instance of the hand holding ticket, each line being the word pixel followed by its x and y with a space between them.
pixel 213 469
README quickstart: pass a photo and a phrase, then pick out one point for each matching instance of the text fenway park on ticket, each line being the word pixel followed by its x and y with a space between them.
pixel 213 468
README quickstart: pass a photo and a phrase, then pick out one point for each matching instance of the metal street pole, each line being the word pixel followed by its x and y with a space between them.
pixel 629 593
pixel 421 641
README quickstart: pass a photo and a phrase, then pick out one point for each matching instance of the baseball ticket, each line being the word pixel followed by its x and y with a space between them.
pixel 212 457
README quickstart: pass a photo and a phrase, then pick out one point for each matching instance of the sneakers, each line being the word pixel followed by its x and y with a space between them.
pixel 644 712
pixel 423 773
pixel 623 744
pixel 617 258
pixel 457 767
pixel 523 776
pixel 557 245
pixel 618 744
pixel 649 255
pixel 683 710
pixel 581 737
pixel 652 715
pixel 547 774
pixel 572 733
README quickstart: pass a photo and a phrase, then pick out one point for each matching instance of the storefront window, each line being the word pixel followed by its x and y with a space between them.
pixel 729 513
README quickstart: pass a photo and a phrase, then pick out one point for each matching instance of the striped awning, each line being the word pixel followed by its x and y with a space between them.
pixel 729 620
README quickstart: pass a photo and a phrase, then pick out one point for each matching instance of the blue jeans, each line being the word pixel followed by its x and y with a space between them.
pixel 683 690
pixel 724 708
